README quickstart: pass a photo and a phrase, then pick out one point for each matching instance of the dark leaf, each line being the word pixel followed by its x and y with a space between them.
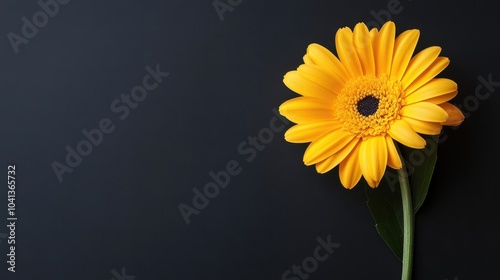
pixel 385 203
pixel 385 206
pixel 420 164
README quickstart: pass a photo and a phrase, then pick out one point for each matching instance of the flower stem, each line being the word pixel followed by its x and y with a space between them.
pixel 408 223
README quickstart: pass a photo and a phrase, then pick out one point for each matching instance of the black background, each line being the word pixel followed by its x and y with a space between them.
pixel 119 207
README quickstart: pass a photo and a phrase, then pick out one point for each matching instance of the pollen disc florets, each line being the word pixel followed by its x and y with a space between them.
pixel 368 105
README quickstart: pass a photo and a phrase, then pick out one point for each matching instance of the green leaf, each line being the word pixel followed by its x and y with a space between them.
pixel 420 164
pixel 384 202
pixel 386 209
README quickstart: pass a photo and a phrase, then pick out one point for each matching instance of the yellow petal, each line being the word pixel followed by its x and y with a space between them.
pixel 429 128
pixel 373 35
pixel 384 47
pixel 326 145
pixel 299 84
pixel 393 158
pixel 403 50
pixel 347 53
pixel 308 60
pixel 419 63
pixel 425 111
pixel 432 71
pixel 349 170
pixel 306 109
pixel 373 158
pixel 307 132
pixel 321 77
pixel 371 183
pixel 436 87
pixel 455 116
pixel 442 98
pixel 364 49
pixel 404 134
pixel 329 163
pixel 325 59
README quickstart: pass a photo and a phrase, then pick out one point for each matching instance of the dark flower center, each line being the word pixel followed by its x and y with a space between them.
pixel 368 106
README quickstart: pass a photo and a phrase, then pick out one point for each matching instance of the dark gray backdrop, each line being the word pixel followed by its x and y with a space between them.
pixel 116 215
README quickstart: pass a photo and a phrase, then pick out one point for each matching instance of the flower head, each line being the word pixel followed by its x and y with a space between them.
pixel 352 107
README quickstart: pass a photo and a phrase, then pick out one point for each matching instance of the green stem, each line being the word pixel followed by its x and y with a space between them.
pixel 408 224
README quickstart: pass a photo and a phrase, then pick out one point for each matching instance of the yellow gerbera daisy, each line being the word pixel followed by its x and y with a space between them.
pixel 352 107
